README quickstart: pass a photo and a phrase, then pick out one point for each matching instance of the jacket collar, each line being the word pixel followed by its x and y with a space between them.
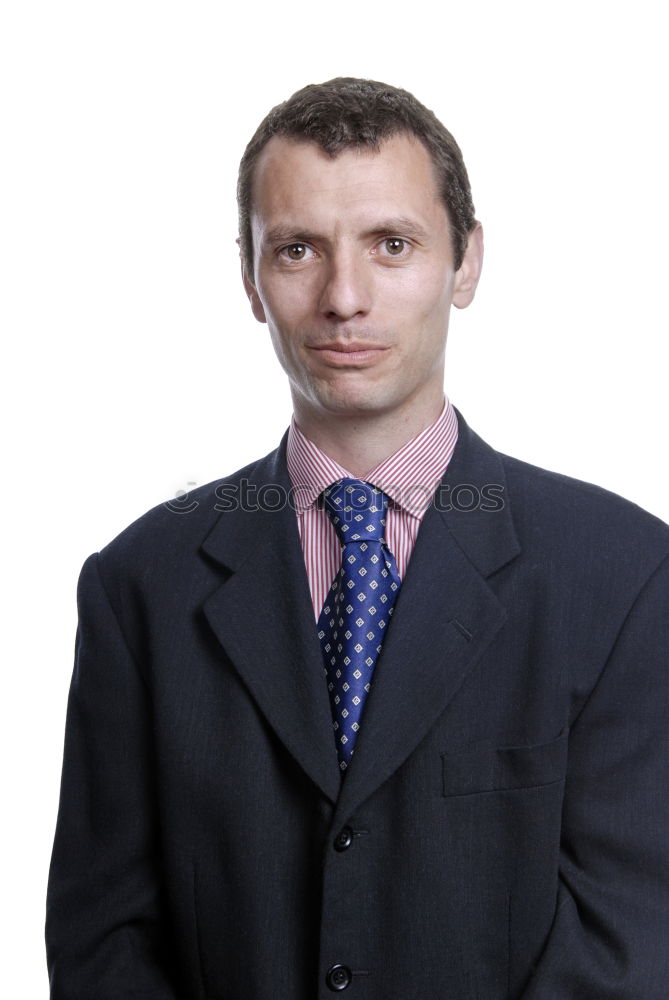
pixel 445 617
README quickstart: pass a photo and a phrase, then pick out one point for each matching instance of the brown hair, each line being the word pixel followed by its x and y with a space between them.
pixel 347 113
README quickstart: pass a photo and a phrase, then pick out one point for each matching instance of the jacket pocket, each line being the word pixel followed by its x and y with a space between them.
pixel 483 768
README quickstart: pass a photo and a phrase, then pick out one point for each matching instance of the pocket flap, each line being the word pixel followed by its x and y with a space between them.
pixel 482 768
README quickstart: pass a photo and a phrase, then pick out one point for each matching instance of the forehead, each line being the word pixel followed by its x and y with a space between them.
pixel 296 181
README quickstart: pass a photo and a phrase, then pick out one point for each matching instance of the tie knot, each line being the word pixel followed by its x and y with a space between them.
pixel 357 510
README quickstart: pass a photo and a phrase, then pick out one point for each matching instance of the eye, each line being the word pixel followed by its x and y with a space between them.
pixel 295 251
pixel 395 246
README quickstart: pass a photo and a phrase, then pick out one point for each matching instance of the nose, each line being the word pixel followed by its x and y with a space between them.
pixel 346 290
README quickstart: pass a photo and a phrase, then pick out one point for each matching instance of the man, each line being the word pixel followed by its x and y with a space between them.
pixel 386 711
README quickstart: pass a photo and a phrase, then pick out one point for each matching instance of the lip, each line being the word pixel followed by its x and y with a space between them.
pixel 348 354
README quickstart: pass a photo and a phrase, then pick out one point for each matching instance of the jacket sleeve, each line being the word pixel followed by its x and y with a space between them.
pixel 106 931
pixel 610 937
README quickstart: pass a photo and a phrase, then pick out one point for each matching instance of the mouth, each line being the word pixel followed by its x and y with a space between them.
pixel 348 354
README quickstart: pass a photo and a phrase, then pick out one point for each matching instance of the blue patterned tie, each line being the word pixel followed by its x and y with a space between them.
pixel 358 608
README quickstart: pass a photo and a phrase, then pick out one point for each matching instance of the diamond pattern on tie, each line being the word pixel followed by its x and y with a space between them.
pixel 349 628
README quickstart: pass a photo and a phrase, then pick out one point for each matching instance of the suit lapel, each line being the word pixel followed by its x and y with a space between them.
pixel 263 617
pixel 445 617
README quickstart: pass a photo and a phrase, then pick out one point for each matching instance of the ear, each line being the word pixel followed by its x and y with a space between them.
pixel 467 277
pixel 252 292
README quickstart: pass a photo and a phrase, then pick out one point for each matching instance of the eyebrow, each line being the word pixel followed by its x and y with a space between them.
pixel 395 226
pixel 282 234
pixel 400 226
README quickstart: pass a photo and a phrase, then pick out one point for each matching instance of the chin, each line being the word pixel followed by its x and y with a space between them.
pixel 352 404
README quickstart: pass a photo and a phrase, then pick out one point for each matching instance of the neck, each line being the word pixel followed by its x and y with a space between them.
pixel 361 441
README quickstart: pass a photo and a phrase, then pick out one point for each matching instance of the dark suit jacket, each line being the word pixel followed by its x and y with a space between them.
pixel 503 829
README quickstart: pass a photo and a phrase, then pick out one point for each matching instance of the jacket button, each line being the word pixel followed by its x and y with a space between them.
pixel 338 978
pixel 344 839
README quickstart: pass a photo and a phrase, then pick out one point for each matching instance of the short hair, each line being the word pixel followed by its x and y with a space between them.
pixel 350 113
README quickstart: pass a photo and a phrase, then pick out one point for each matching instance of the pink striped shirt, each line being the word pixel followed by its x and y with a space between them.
pixel 409 477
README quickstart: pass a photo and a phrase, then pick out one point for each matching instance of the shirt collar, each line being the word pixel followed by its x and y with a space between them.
pixel 409 476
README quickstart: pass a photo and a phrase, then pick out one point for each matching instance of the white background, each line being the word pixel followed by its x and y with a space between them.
pixel 131 362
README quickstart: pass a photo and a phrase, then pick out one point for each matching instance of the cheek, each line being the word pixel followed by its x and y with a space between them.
pixel 287 298
pixel 435 307
pixel 419 292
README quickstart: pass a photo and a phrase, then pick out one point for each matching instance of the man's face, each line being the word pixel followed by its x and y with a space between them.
pixel 354 275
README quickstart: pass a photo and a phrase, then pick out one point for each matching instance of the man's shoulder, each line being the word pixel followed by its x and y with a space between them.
pixel 558 511
pixel 549 507
pixel 563 495
pixel 166 534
